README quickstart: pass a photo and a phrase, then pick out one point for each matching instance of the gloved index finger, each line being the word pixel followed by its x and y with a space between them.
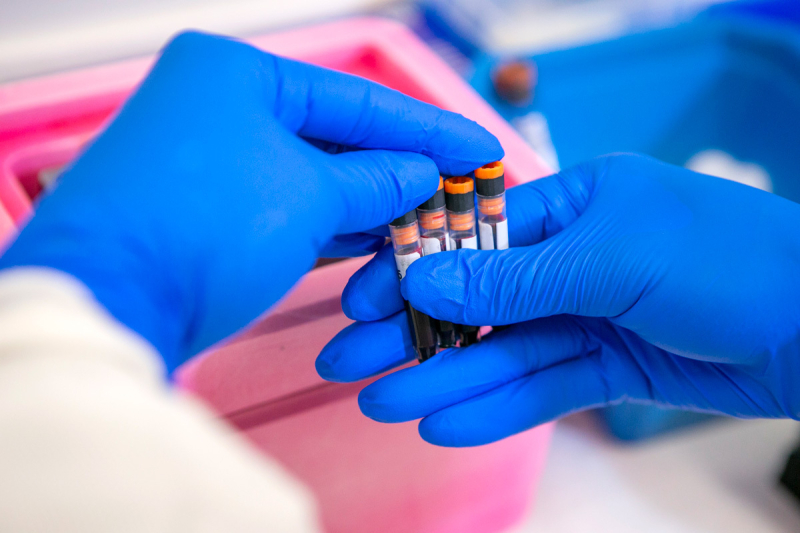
pixel 332 106
pixel 373 292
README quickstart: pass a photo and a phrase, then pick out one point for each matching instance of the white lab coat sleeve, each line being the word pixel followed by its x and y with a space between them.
pixel 92 438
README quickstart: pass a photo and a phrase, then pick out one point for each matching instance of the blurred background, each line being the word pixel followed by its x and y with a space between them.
pixel 710 84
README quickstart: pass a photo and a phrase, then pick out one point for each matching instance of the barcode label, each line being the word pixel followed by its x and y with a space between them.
pixel 403 262
pixel 501 235
pixel 494 237
pixel 487 236
pixel 470 242
pixel 430 246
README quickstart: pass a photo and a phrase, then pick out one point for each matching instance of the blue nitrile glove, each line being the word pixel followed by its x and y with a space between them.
pixel 220 182
pixel 631 279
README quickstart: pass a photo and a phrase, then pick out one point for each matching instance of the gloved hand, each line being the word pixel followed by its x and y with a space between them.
pixel 221 181
pixel 628 279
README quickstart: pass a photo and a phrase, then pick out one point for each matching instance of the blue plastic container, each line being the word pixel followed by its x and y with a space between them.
pixel 727 83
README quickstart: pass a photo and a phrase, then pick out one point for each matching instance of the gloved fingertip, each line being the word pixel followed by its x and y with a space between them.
pixel 419 296
pixel 373 292
pixel 420 280
pixel 349 300
pixel 325 368
pixel 356 304
pixel 434 285
pixel 329 361
pixel 470 146
pixel 369 302
pixel 494 150
pixel 372 406
pixel 438 430
pixel 365 349
pixel 421 175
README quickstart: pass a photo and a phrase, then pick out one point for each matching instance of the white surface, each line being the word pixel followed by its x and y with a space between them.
pixel 721 477
pixel 723 165
pixel 41 36
pixel 506 27
pixel 534 129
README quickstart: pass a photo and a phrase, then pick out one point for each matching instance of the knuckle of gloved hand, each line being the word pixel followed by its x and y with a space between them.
pixel 215 56
pixel 629 165
pixel 619 158
pixel 585 179
pixel 189 43
pixel 353 295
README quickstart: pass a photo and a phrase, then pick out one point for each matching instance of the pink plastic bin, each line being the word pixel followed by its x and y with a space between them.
pixel 368 477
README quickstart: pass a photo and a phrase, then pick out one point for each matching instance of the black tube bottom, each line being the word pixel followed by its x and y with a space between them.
pixel 423 354
pixel 447 334
pixel 423 333
pixel 470 335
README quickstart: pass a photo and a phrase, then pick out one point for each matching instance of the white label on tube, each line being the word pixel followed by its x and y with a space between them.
pixel 451 244
pixel 489 233
pixel 403 261
pixel 502 235
pixel 487 236
pixel 470 242
pixel 430 246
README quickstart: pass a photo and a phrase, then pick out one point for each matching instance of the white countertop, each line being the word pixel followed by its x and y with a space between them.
pixel 718 477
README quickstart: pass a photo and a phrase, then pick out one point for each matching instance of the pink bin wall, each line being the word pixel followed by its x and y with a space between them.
pixel 368 477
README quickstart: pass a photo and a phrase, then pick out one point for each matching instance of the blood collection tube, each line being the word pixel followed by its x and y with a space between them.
pixel 433 223
pixel 492 221
pixel 460 202
pixel 435 239
pixel 407 249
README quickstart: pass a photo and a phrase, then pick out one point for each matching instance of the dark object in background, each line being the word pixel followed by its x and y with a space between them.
pixel 515 82
pixel 791 474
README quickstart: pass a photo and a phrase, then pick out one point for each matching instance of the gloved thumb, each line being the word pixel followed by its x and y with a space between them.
pixel 495 288
pixel 605 225
pixel 377 186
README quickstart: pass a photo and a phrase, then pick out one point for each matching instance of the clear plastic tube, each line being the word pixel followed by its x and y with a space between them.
pixel 434 231
pixel 435 238
pixel 407 249
pixel 460 201
pixel 406 244
pixel 492 221
pixel 462 230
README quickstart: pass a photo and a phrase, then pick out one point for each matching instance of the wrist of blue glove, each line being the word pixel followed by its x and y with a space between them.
pixel 225 176
pixel 627 279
